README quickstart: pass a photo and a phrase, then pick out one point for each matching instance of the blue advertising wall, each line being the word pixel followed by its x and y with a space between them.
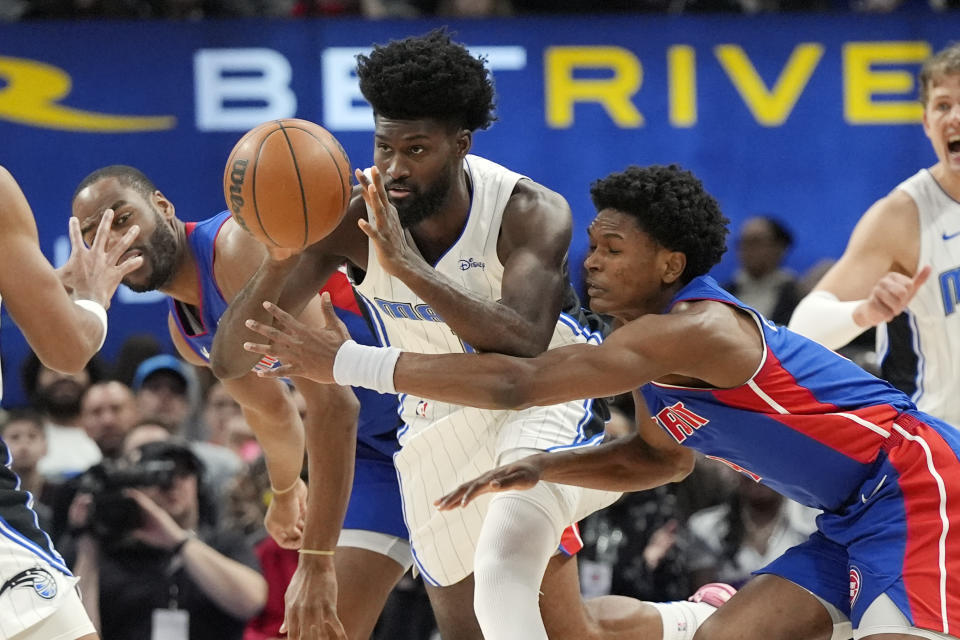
pixel 810 118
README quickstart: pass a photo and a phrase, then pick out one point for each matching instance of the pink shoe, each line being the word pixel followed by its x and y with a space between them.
pixel 713 593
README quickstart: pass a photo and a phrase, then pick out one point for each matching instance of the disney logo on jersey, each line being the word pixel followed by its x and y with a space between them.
pixel 679 421
pixel 470 263
pixel 407 311
pixel 37 578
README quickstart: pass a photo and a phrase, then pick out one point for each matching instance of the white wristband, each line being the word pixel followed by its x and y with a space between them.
pixel 824 319
pixel 358 365
pixel 96 309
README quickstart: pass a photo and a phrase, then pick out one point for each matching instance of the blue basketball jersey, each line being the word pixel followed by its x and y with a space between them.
pixel 378 421
pixel 809 423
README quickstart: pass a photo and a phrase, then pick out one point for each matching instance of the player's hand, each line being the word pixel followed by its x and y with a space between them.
pixel 159 529
pixel 383 225
pixel 311 601
pixel 522 474
pixel 279 254
pixel 304 351
pixel 286 516
pixel 889 297
pixel 95 273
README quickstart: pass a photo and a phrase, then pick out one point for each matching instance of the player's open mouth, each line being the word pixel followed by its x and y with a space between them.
pixel 130 253
pixel 398 193
pixel 953 143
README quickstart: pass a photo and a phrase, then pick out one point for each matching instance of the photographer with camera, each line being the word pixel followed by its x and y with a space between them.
pixel 151 566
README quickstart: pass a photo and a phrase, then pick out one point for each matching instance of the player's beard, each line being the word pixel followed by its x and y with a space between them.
pixel 160 252
pixel 419 206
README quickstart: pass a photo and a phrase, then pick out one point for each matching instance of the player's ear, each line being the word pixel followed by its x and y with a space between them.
pixel 464 142
pixel 673 265
pixel 164 206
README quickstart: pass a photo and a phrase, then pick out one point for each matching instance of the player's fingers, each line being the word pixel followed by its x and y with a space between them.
pixel 450 500
pixel 285 318
pixel 381 189
pixel 125 242
pixel 336 627
pixel 270 332
pixel 130 265
pixel 922 276
pixel 76 238
pixel 327 314
pixel 361 178
pixel 103 231
pixel 283 371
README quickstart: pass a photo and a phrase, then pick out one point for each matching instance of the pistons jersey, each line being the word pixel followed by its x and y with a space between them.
pixel 917 350
pixel 809 423
pixel 376 428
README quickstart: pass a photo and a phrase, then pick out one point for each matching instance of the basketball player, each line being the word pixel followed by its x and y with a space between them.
pixel 62 314
pixel 472 258
pixel 901 268
pixel 718 377
pixel 200 266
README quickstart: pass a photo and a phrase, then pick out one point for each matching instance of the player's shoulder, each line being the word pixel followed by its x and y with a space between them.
pixel 530 198
pixel 894 215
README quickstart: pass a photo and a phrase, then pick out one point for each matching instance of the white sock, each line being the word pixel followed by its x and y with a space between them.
pixel 681 619
pixel 515 545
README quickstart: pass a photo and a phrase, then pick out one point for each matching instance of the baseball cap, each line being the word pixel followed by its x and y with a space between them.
pixel 165 363
pixel 177 452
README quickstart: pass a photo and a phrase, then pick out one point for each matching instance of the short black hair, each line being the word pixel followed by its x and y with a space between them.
pixel 30 371
pixel 781 233
pixel 22 415
pixel 127 175
pixel 672 207
pixel 428 76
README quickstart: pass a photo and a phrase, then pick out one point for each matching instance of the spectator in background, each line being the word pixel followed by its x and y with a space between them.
pixel 756 525
pixel 109 412
pixel 165 386
pixel 218 408
pixel 134 350
pixel 26 440
pixel 762 281
pixel 195 574
pixel 57 396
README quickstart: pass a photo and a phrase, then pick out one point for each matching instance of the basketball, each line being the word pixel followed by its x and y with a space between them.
pixel 287 182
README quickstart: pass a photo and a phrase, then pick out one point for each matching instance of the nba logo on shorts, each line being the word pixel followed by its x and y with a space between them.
pixel 422 408
pixel 855 583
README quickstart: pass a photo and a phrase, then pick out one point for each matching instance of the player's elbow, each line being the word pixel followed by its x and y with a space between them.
pixel 516 389
pixel 223 369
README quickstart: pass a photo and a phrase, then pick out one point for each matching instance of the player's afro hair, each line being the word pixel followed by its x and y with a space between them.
pixel 127 175
pixel 428 76
pixel 671 205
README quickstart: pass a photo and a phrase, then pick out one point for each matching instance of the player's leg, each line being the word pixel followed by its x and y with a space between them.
pixel 373 551
pixel 453 610
pixel 769 607
pixel 364 581
pixel 69 622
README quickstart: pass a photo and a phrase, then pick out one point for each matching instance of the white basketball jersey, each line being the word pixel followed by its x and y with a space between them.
pixel 920 350
pixel 404 320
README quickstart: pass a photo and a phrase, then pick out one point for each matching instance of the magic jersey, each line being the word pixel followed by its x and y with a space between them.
pixel 376 427
pixel 404 320
pixel 808 423
pixel 917 350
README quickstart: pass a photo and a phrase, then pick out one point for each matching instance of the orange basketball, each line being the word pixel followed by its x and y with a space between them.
pixel 287 182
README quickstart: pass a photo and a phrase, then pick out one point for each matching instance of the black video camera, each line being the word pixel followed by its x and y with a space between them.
pixel 114 514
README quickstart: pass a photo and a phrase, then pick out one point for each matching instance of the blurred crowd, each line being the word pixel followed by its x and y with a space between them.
pixel 378 9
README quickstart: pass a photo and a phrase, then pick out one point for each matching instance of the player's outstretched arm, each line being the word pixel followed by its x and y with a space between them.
pixel 331 428
pixel 644 459
pixel 48 306
pixel 872 282
pixel 269 410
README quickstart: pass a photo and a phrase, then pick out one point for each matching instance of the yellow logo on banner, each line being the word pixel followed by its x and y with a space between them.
pixel 32 94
